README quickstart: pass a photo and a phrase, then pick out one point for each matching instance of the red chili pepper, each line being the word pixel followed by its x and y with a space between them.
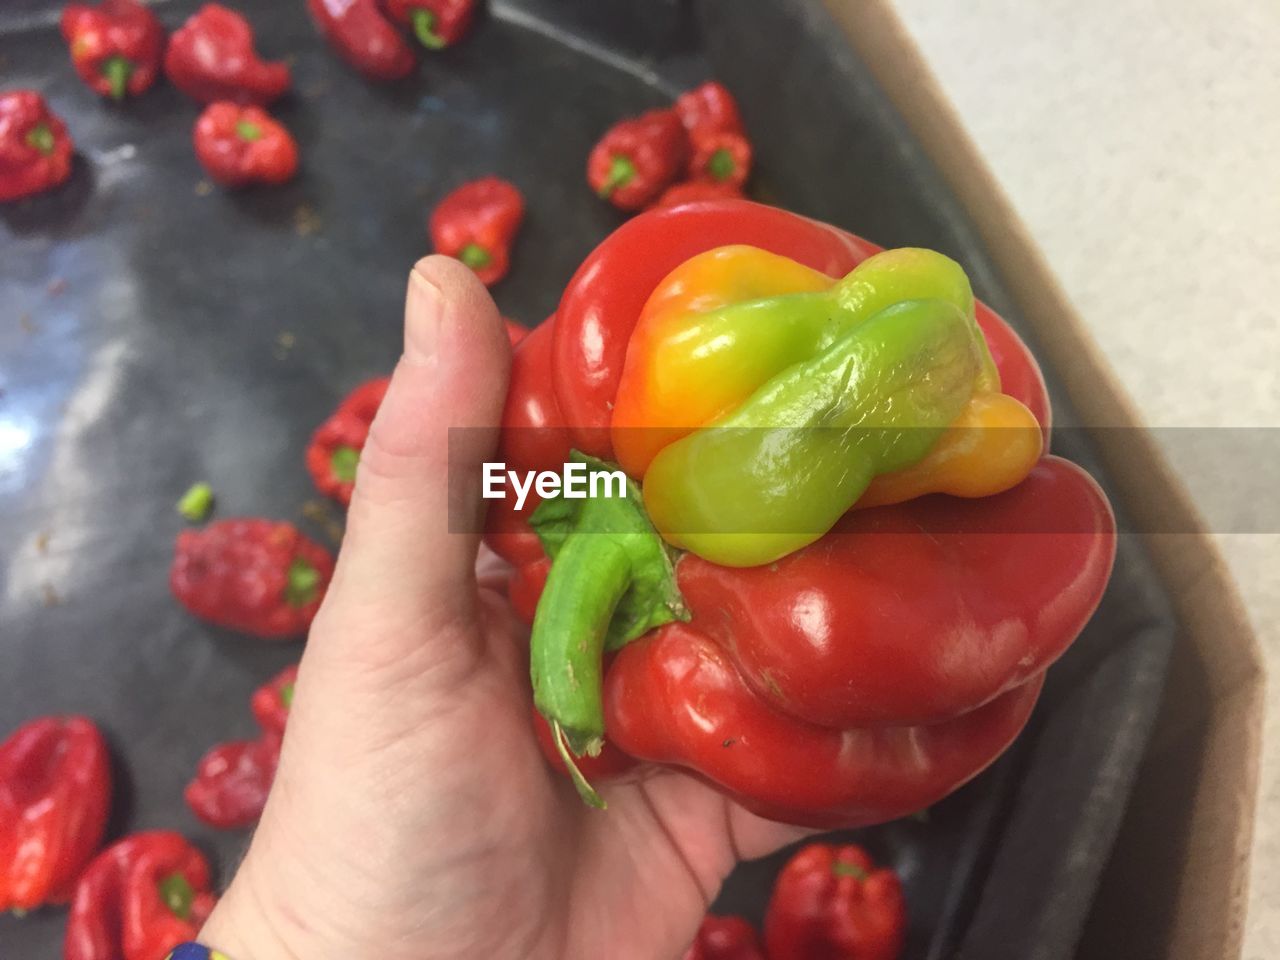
pixel 710 108
pixel 272 701
pixel 261 577
pixel 211 57
pixel 720 157
pixel 725 938
pixel 55 790
pixel 834 903
pixel 638 158
pixel 363 36
pixel 334 451
pixel 139 899
pixel 697 191
pixel 436 23
pixel 240 145
pixel 35 150
pixel 477 223
pixel 116 46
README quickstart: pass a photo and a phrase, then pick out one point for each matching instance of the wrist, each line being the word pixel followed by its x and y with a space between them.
pixel 241 928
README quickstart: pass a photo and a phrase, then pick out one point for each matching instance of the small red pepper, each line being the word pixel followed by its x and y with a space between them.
pixel 834 903
pixel 363 36
pixel 211 57
pixel 240 145
pixel 696 191
pixel 477 223
pixel 709 108
pixel 721 157
pixel 261 577
pixel 116 46
pixel 436 23
pixel 233 779
pixel 725 938
pixel 139 899
pixel 55 790
pixel 334 451
pixel 638 158
pixel 35 151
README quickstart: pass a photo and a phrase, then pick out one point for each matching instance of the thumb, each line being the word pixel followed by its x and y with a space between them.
pixel 406 568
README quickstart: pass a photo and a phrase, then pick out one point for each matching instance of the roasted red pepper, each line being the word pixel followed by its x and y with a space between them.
pixel 233 779
pixel 725 938
pixel 698 191
pixel 211 57
pixel 834 903
pixel 116 46
pixel 477 223
pixel 436 23
pixel 638 158
pixel 35 150
pixel 241 145
pixel 721 157
pixel 139 899
pixel 709 108
pixel 55 791
pixel 261 577
pixel 334 451
pixel 364 37
pixel 868 670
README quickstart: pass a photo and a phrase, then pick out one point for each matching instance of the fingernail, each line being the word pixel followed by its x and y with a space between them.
pixel 423 309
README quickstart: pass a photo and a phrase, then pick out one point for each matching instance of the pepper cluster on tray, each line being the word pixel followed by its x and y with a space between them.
pixel 783 603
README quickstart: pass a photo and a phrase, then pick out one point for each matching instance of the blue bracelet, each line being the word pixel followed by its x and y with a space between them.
pixel 195 951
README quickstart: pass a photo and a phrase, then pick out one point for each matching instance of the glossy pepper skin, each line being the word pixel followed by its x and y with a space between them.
pixel 834 903
pixel 334 452
pixel 638 158
pixel 477 223
pixel 364 37
pixel 709 108
pixel 436 23
pixel 139 899
pixel 261 577
pixel 55 792
pixel 211 57
pixel 780 684
pixel 35 149
pixel 239 145
pixel 116 46
pixel 725 938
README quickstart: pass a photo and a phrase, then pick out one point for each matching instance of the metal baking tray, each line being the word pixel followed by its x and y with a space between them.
pixel 154 331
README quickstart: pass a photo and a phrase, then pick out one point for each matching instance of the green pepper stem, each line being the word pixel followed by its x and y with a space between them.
pixel 41 138
pixel 424 28
pixel 248 131
pixel 117 70
pixel 303 582
pixel 621 172
pixel 587 792
pixel 721 165
pixel 177 894
pixel 196 502
pixel 286 695
pixel 343 463
pixel 475 256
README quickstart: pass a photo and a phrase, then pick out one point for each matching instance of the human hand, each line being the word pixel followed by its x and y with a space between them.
pixel 413 815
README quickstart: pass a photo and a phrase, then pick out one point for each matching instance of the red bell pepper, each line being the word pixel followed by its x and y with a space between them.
pixel 477 223
pixel 515 332
pixel 363 36
pixel 261 577
pixel 698 191
pixel 709 108
pixel 725 938
pixel 948 611
pixel 334 451
pixel 233 779
pixel 241 145
pixel 211 57
pixel 35 150
pixel 55 791
pixel 139 899
pixel 834 903
pixel 116 46
pixel 436 23
pixel 721 157
pixel 638 158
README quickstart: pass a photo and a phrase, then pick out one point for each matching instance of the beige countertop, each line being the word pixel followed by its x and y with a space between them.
pixel 1139 142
